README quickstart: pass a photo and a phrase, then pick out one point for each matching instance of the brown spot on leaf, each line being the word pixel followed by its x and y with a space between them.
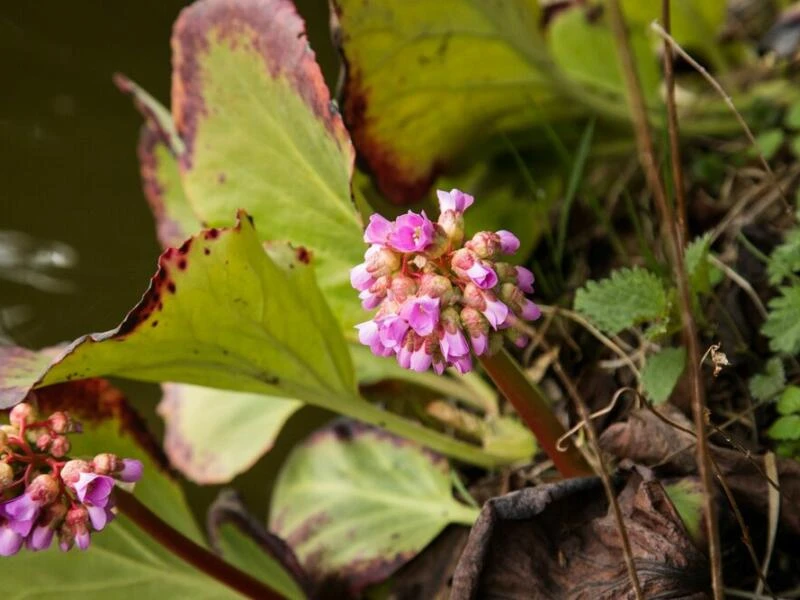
pixel 206 251
pixel 182 264
pixel 303 255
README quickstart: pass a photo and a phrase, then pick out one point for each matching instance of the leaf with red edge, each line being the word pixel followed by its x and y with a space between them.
pixel 219 312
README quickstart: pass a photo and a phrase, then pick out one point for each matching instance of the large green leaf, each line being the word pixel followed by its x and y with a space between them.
pixel 356 503
pixel 213 435
pixel 219 312
pixel 428 81
pixel 250 103
pixel 123 561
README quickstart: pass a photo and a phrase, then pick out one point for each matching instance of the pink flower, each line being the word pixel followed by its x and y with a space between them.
pixel 369 336
pixel 40 538
pixel 392 331
pixel 529 311
pixel 509 243
pixel 360 278
pixel 453 345
pixel 412 233
pixel 10 540
pixel 480 343
pixel 93 489
pixel 483 276
pixel 131 470
pixel 495 312
pixel 378 230
pixel 463 364
pixel 421 313
pixel 420 360
pixel 454 200
pixel 524 280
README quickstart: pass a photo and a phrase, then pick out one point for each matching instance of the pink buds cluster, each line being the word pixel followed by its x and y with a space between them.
pixel 41 495
pixel 440 298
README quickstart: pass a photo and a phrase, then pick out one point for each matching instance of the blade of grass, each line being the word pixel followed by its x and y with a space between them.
pixel 573 183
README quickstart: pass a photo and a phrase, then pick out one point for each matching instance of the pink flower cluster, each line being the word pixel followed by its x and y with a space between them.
pixel 42 495
pixel 438 298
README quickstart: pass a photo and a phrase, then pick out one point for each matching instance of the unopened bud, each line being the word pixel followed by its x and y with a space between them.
pixel 506 272
pixel 43 440
pixel 76 528
pixel 106 464
pixel 71 472
pixel 452 224
pixel 383 262
pixel 516 337
pixel 462 260
pixel 484 243
pixel 59 422
pixel 22 413
pixel 473 297
pixel 441 242
pixel 434 286
pixel 6 475
pixel 403 287
pixel 43 489
pixel 474 322
pixel 450 320
pixel 60 446
pixel 511 295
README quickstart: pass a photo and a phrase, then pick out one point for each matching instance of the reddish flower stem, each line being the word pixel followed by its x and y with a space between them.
pixel 194 554
pixel 535 412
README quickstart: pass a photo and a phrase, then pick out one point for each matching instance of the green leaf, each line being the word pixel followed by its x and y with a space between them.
pixel 356 503
pixel 789 402
pixel 782 326
pixel 428 82
pixel 241 551
pixel 695 25
pixel 662 372
pixel 792 118
pixel 697 268
pixel 687 496
pixel 769 142
pixel 213 435
pixel 794 146
pixel 769 383
pixel 219 312
pixel 261 134
pixel 627 298
pixel 123 561
pixel 785 259
pixel 786 427
pixel 584 49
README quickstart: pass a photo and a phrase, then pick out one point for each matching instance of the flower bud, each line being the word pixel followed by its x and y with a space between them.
pixel 106 464
pixel 516 337
pixel 75 529
pixel 59 422
pixel 60 446
pixel 43 489
pixel 22 413
pixel 43 440
pixel 402 287
pixel 71 472
pixel 461 261
pixel 434 286
pixel 505 272
pixel 511 295
pixel 382 262
pixel 473 297
pixel 452 225
pixel 41 535
pixel 6 475
pixel 3 438
pixel 484 244
pixel 441 242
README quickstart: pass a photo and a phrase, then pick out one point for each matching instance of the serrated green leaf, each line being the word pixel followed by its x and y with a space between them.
pixel 242 426
pixel 627 298
pixel 123 562
pixel 697 268
pixel 786 427
pixel 785 259
pixel 789 402
pixel 782 326
pixel 661 373
pixel 765 385
pixel 219 312
pixel 357 503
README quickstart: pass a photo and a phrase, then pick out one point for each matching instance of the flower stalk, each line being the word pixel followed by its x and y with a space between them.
pixel 535 412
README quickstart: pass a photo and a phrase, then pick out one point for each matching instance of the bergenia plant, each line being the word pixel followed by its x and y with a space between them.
pixel 261 305
pixel 45 493
pixel 440 298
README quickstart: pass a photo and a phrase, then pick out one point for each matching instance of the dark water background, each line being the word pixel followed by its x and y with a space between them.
pixel 69 173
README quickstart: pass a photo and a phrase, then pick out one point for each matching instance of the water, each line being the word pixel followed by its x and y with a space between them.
pixel 77 243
